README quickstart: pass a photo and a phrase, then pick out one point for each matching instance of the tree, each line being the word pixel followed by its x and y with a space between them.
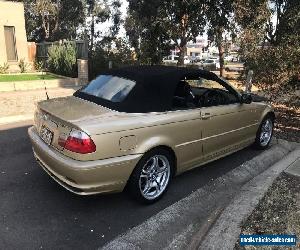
pixel 145 31
pixel 185 20
pixel 100 11
pixel 52 19
pixel 287 21
pixel 270 44
pixel 161 24
pixel 220 17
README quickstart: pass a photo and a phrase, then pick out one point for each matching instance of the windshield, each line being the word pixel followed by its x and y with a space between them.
pixel 111 88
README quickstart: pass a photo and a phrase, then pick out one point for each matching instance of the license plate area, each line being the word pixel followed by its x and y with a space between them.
pixel 46 135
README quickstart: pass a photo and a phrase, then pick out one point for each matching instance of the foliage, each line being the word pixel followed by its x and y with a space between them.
pixel 221 24
pixel 100 11
pixel 62 59
pixel 23 65
pixel 39 65
pixel 146 34
pixel 100 57
pixel 4 68
pixel 276 72
pixel 154 26
pixel 273 53
pixel 52 20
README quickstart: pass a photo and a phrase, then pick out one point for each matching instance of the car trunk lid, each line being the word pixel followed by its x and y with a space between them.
pixel 57 117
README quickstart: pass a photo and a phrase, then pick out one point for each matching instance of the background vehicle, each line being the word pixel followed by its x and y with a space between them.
pixel 173 59
pixel 211 64
pixel 140 126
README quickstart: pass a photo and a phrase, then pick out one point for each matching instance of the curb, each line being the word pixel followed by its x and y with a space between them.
pixel 13 119
pixel 38 84
pixel 186 223
pixel 226 230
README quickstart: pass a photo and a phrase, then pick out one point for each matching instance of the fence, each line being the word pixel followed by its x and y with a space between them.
pixel 42 49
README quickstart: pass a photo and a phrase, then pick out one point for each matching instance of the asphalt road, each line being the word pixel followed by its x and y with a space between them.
pixel 36 213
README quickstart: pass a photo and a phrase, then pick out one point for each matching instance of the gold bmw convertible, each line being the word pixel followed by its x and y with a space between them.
pixel 137 127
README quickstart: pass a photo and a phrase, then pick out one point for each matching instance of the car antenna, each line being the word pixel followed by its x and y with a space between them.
pixel 45 85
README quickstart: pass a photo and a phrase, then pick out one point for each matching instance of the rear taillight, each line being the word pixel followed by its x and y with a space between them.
pixel 78 142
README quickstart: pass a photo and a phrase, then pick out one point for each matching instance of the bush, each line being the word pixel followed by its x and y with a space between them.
pixel 23 66
pixel 39 65
pixel 62 59
pixel 276 67
pixel 4 68
pixel 99 58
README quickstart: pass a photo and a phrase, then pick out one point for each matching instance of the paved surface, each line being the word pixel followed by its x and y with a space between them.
pixel 35 212
pixel 185 224
pixel 18 103
pixel 294 168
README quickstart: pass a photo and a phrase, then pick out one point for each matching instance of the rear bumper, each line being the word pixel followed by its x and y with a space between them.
pixel 83 177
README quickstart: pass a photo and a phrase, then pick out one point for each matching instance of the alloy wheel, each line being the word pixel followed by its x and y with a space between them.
pixel 154 177
pixel 266 132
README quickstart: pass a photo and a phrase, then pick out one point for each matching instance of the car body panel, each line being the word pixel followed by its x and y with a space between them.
pixel 83 177
pixel 195 136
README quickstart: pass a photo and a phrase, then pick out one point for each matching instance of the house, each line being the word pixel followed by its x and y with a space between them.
pixel 13 41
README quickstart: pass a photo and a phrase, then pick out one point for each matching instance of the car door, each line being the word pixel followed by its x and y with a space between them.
pixel 227 126
pixel 186 132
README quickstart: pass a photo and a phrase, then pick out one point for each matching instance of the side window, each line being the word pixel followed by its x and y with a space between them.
pixel 197 93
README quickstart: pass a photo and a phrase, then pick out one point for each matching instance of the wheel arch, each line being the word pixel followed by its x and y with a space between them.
pixel 157 147
pixel 171 151
pixel 268 112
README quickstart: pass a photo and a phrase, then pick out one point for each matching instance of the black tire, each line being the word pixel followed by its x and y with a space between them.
pixel 258 144
pixel 133 185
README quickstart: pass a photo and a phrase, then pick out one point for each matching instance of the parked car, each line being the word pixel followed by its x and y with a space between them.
pixel 228 58
pixel 138 127
pixel 211 64
pixel 172 59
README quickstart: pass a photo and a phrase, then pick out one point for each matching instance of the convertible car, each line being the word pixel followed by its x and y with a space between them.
pixel 138 127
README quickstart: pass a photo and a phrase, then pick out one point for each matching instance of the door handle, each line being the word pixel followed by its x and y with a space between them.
pixel 206 116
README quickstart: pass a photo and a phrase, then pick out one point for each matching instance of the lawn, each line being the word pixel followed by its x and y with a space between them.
pixel 26 77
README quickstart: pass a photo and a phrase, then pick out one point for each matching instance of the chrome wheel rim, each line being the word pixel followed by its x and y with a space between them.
pixel 154 177
pixel 266 132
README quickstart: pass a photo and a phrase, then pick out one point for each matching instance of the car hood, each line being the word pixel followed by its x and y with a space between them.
pixel 73 109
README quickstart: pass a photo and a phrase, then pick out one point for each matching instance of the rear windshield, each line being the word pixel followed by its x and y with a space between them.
pixel 111 88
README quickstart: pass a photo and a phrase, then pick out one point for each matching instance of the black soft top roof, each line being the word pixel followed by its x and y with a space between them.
pixel 154 89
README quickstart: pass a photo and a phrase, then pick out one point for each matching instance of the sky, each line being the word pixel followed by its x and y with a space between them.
pixel 123 10
pixel 103 27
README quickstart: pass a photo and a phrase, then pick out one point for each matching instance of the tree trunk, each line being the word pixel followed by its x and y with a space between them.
pixel 182 51
pixel 221 58
pixel 92 32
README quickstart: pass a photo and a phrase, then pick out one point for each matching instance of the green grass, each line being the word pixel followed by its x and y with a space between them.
pixel 26 77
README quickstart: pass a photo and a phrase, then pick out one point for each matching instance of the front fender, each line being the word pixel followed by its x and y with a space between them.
pixel 269 109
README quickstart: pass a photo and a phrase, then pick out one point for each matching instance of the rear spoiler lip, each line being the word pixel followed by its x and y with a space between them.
pixel 59 120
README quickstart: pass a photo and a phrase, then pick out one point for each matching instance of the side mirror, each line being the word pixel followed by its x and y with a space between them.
pixel 246 98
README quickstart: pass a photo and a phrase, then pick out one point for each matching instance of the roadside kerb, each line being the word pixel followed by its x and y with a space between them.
pixel 227 229
pixel 185 224
pixel 39 84
pixel 15 118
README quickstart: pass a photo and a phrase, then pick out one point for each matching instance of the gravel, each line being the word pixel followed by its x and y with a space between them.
pixel 277 213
